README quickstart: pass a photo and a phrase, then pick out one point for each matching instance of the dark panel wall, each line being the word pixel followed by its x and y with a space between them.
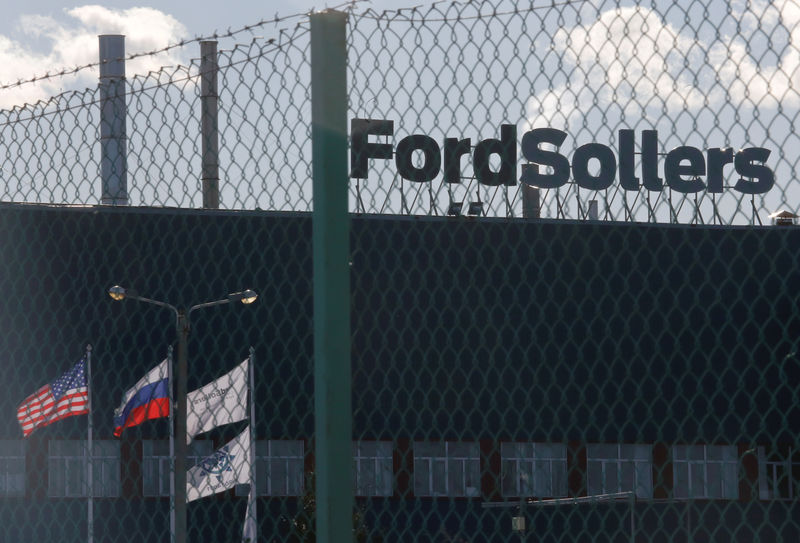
pixel 493 329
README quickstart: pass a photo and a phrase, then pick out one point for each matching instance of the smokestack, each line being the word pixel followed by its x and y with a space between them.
pixel 113 113
pixel 209 112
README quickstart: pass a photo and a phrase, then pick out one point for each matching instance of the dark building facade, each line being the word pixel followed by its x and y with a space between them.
pixel 493 360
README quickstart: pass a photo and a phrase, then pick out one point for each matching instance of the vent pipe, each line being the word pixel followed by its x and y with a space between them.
pixel 530 201
pixel 594 211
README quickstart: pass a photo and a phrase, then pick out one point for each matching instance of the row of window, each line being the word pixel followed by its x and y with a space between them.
pixel 439 469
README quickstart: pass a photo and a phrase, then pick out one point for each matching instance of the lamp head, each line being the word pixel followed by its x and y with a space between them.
pixel 117 292
pixel 475 208
pixel 455 208
pixel 249 296
pixel 246 296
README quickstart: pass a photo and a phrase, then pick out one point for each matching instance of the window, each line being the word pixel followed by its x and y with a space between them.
pixel 778 473
pixel 534 469
pixel 614 468
pixel 280 468
pixel 68 466
pixel 156 468
pixel 705 471
pixel 372 468
pixel 446 469
pixel 12 468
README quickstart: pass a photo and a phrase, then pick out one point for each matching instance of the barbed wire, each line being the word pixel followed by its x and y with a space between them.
pixel 172 81
pixel 400 17
pixel 349 6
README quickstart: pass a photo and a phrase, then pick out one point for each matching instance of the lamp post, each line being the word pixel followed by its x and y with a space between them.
pixel 182 328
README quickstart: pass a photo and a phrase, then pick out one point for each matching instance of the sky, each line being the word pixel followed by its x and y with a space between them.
pixel 21 20
pixel 50 35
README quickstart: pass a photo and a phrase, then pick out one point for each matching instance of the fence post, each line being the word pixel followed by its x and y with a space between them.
pixel 209 104
pixel 331 229
pixel 113 112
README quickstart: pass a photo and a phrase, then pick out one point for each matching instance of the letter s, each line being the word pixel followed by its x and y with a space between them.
pixel 744 164
pixel 531 151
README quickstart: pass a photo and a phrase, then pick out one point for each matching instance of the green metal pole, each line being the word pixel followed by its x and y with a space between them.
pixel 331 230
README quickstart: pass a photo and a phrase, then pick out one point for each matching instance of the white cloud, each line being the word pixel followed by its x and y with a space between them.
pixel 630 60
pixel 74 42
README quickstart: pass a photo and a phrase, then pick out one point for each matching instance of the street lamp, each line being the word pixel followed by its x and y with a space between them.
pixel 182 327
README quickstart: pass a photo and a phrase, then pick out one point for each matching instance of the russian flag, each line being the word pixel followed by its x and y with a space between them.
pixel 147 399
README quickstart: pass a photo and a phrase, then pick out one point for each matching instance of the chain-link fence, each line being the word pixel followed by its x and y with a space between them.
pixel 701 75
pixel 513 377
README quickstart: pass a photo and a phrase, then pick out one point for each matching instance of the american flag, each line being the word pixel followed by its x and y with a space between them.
pixel 65 397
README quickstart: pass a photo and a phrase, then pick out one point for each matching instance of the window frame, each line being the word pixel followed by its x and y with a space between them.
pixel 8 458
pixel 641 465
pixel 74 468
pixel 379 463
pixel 769 477
pixel 198 449
pixel 470 468
pixel 265 457
pixel 728 482
pixel 529 464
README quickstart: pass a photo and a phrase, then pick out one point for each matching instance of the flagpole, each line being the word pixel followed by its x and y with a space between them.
pixel 90 474
pixel 171 448
pixel 252 510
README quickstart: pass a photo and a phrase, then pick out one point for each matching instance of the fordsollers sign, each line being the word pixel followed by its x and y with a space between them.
pixel 685 169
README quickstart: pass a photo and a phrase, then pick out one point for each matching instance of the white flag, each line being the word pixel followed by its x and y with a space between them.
pixel 222 401
pixel 224 469
pixel 250 530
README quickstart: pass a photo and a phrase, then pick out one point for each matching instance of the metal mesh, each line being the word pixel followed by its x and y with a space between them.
pixel 518 372
pixel 701 75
